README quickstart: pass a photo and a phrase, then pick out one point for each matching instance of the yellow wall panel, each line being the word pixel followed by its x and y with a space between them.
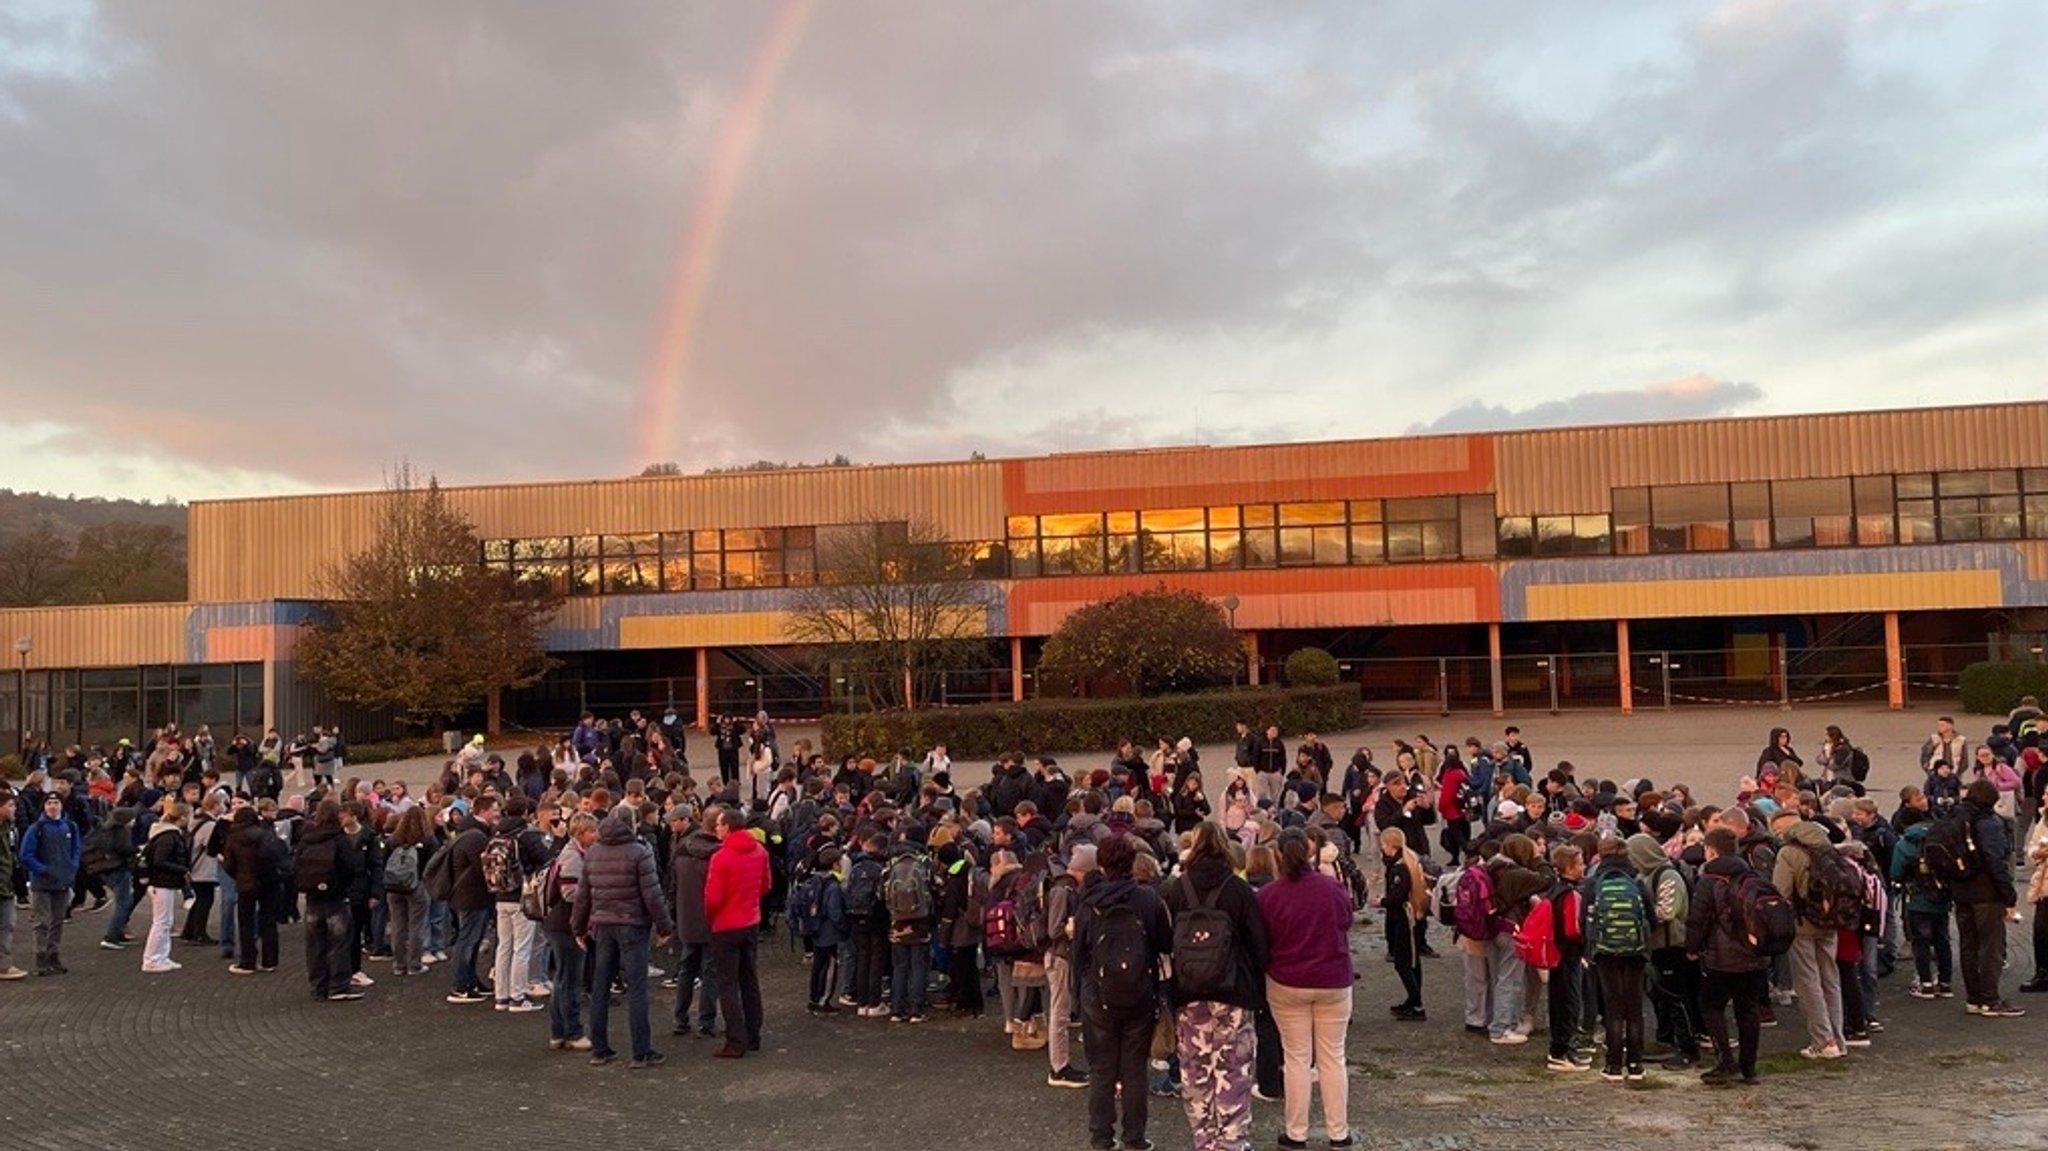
pixel 110 635
pixel 710 630
pixel 1885 591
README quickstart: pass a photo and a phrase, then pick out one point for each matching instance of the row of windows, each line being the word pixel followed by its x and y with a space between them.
pixel 1326 533
pixel 708 559
pixel 1913 508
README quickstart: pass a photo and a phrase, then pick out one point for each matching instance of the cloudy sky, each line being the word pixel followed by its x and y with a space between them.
pixel 261 247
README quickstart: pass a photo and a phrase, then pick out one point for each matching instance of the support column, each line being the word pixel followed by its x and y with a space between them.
pixel 1493 667
pixel 1628 685
pixel 1894 664
pixel 703 689
pixel 1251 658
pixel 1016 669
pixel 494 712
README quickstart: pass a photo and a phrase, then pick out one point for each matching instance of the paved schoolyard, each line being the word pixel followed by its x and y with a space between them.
pixel 110 1058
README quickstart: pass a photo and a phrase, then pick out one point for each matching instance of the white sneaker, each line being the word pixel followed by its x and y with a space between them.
pixel 361 980
pixel 1509 1038
pixel 521 1006
pixel 167 966
pixel 538 991
pixel 654 972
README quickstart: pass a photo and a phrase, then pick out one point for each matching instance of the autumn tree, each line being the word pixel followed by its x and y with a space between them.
pixel 124 562
pixel 1144 641
pixel 896 604
pixel 35 565
pixel 417 624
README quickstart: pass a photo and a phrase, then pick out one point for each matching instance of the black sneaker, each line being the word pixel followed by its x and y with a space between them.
pixel 1405 1014
pixel 1286 1144
pixel 2004 1010
pixel 1718 1076
pixel 1138 1145
pixel 652 1059
pixel 1066 1077
pixel 1612 1073
pixel 601 1058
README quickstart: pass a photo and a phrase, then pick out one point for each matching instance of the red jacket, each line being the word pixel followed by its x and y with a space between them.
pixel 736 883
pixel 1448 784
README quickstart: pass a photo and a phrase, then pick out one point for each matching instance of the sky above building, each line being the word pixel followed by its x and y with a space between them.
pixel 257 248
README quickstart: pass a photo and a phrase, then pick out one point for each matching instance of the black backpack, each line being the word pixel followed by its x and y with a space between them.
pixel 1204 947
pixel 1834 890
pixel 863 889
pixel 317 857
pixel 1122 960
pixel 1949 853
pixel 1859 764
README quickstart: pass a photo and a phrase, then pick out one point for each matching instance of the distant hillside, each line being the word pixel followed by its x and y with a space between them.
pixel 61 550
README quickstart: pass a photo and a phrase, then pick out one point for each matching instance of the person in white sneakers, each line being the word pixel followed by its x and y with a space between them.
pixel 166 861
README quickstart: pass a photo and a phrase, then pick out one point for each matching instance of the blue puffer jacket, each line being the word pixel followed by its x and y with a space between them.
pixel 50 852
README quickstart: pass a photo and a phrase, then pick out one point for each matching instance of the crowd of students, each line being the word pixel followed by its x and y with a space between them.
pixel 1202 946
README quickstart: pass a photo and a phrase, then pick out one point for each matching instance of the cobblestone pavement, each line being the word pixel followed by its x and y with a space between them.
pixel 107 1057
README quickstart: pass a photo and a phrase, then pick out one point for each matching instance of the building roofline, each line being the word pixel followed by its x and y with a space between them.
pixel 506 485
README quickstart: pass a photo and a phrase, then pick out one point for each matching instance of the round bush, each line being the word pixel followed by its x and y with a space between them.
pixel 1312 667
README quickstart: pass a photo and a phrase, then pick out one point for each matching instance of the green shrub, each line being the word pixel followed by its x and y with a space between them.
pixel 1312 667
pixel 10 768
pixel 1995 688
pixel 1079 725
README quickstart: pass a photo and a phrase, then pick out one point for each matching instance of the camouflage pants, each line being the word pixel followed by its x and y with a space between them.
pixel 1214 1041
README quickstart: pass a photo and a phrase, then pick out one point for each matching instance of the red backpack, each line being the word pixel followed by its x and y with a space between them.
pixel 1539 938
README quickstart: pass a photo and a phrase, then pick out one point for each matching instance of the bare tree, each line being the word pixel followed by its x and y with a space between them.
pixel 896 603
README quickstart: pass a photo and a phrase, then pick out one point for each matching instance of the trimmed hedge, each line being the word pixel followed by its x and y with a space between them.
pixel 1995 688
pixel 1081 724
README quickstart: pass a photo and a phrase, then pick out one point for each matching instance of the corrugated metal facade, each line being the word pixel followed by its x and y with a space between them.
pixel 276 548
pixel 112 635
pixel 1187 477
pixel 295 705
pixel 1573 470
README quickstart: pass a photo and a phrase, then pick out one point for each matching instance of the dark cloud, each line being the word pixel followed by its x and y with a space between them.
pixel 1695 397
pixel 302 239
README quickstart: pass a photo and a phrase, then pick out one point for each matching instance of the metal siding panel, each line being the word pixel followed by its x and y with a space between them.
pixel 298 704
pixel 1572 470
pixel 105 635
pixel 276 548
pixel 1766 595
pixel 1182 477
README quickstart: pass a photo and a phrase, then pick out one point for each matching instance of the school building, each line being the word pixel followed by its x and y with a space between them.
pixel 1778 559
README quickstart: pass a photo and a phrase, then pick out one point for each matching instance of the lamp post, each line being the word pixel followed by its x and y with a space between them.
pixel 22 647
pixel 1230 607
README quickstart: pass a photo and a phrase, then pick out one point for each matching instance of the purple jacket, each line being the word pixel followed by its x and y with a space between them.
pixel 1308 929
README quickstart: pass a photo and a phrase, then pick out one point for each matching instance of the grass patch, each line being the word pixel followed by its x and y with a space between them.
pixel 1967 1057
pixel 1793 1063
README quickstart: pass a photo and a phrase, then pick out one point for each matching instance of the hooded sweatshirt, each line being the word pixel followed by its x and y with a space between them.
pixel 1664 890
pixel 167 856
pixel 1791 875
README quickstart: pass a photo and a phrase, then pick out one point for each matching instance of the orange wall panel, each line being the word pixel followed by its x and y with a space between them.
pixel 1290 598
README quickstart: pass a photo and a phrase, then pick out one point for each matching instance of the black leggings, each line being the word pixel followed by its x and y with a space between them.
pixel 202 908
pixel 1621 997
pixel 1401 947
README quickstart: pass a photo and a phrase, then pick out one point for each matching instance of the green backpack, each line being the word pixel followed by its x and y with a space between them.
pixel 1617 922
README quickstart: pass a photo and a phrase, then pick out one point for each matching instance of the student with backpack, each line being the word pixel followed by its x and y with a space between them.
pixel 1811 876
pixel 819 903
pixel 1121 930
pixel 1674 978
pixel 460 883
pixel 1736 920
pixel 867 918
pixel 1927 909
pixel 559 884
pixel 1013 931
pixel 1973 851
pixel 1617 934
pixel 515 856
pixel 1062 900
pixel 910 896
pixel 1551 940
pixel 1219 956
pixel 325 869
pixel 209 836
pixel 405 900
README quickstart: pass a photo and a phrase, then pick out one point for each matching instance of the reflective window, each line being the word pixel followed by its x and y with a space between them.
pixel 1689 518
pixel 1874 509
pixel 1812 513
pixel 1631 521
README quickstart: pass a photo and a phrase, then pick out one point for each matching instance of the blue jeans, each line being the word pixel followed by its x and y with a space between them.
pixel 228 898
pixel 908 977
pixel 121 886
pixel 438 916
pixel 565 1006
pixel 621 954
pixel 469 935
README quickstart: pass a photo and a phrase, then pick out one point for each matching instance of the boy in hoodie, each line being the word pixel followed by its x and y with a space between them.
pixel 831 927
pixel 735 884
pixel 1814 974
pixel 689 866
pixel 50 853
pixel 1617 930
pixel 1674 978
pixel 1566 987
pixel 1733 971
pixel 1927 907
pixel 910 895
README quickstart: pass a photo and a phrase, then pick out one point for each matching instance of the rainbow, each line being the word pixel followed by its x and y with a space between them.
pixel 698 259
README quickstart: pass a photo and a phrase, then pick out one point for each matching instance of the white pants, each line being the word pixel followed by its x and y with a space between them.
pixel 513 961
pixel 163 908
pixel 1312 1022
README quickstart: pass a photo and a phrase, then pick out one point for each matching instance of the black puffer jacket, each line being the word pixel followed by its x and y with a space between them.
pixel 1714 930
pixel 1248 928
pixel 619 887
pixel 469 894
